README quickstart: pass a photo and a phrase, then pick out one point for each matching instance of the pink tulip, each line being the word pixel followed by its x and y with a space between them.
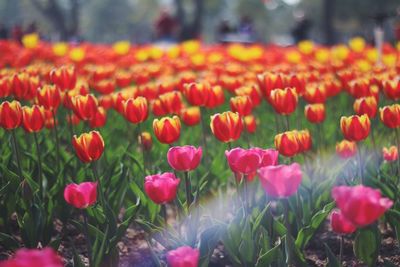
pixel 340 224
pixel 361 205
pixel 81 195
pixel 282 180
pixel 183 257
pixel 243 161
pixel 268 156
pixel 161 188
pixel 34 258
pixel 184 158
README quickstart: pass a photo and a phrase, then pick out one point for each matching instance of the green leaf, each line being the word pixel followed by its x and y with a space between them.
pixel 270 256
pixel 332 260
pixel 260 217
pixel 246 247
pixel 366 244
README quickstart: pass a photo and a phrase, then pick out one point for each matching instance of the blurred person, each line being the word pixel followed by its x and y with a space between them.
pixel 3 32
pixel 17 33
pixel 32 28
pixel 166 26
pixel 223 29
pixel 246 28
pixel 301 30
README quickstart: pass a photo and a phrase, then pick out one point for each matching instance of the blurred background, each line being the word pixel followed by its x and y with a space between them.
pixel 142 21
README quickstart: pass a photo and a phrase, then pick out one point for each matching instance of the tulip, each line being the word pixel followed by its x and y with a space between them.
pixel 84 106
pixel 270 81
pixel 390 116
pixel 99 119
pixel 250 123
pixel 280 181
pixel 314 93
pixel 340 224
pixel 33 118
pixel 252 91
pixel 355 128
pixel 366 105
pixel 226 126
pixel 390 154
pixel 171 102
pixel 183 257
pixel 305 140
pixel 46 257
pixel 287 143
pixel 184 158
pixel 243 161
pixel 49 96
pixel 135 110
pixel 146 140
pixel 81 195
pixel 88 146
pixel 391 89
pixel 346 149
pixel 197 93
pixel 10 115
pixel 361 205
pixel 64 77
pixel 23 86
pixel 5 87
pixel 161 188
pixel 284 101
pixel 241 105
pixel 216 97
pixel 315 113
pixel 191 116
pixel 167 130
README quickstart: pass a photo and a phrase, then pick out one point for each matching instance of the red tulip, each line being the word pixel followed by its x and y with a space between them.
pixel 99 119
pixel 391 89
pixel 88 146
pixel 241 105
pixel 390 154
pixel 216 97
pixel 161 188
pixel 135 110
pixel 183 257
pixel 250 123
pixel 33 118
pixel 280 181
pixel 355 128
pixel 46 257
pixel 184 158
pixel 287 143
pixel 314 93
pixel 346 149
pixel 49 96
pixel 243 161
pixel 10 115
pixel 191 116
pixel 227 126
pixel 197 93
pixel 64 77
pixel 145 140
pixel 390 115
pixel 84 106
pixel 81 195
pixel 5 87
pixel 315 113
pixel 284 101
pixel 305 140
pixel 361 205
pixel 340 224
pixel 366 105
pixel 167 130
pixel 252 91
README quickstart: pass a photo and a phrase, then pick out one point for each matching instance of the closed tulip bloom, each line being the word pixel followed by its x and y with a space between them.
pixel 136 109
pixel 183 257
pixel 161 188
pixel 226 126
pixel 315 113
pixel 305 140
pixel 390 116
pixel 197 93
pixel 33 118
pixel 269 157
pixel 64 77
pixel 314 93
pixel 99 119
pixel 355 128
pixel 287 143
pixel 280 181
pixel 10 114
pixel 5 87
pixel 250 123
pixel 49 96
pixel 88 146
pixel 243 161
pixel 241 105
pixel 391 89
pixel 390 154
pixel 46 257
pixel 84 106
pixel 167 130
pixel 252 91
pixel 145 140
pixel 184 158
pixel 171 102
pixel 346 149
pixel 361 205
pixel 269 81
pixel 284 101
pixel 191 116
pixel 81 195
pixel 340 224
pixel 216 97
pixel 366 105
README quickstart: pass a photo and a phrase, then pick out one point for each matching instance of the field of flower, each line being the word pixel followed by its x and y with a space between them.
pixel 213 155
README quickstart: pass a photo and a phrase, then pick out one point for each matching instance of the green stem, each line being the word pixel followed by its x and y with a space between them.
pixel 57 141
pixel 40 180
pixel 100 187
pixel 287 122
pixel 86 232
pixel 276 122
pixel 203 128
pixel 142 148
pixel 396 131
pixel 360 164
pixel 288 239
pixel 246 195
pixel 17 155
pixel 188 191
pixel 164 213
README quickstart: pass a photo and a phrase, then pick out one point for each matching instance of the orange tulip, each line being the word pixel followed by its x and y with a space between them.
pixel 315 113
pixel 226 126
pixel 136 109
pixel 284 101
pixel 167 130
pixel 191 116
pixel 64 77
pixel 85 107
pixel 390 154
pixel 346 149
pixel 287 143
pixel 250 123
pixel 355 128
pixel 390 115
pixel 10 115
pixel 49 96
pixel 88 146
pixel 33 118
pixel 197 93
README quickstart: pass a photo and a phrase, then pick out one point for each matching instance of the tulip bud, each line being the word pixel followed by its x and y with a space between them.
pixel 366 105
pixel 241 105
pixel 315 113
pixel 81 195
pixel 10 115
pixel 135 110
pixel 99 119
pixel 390 154
pixel 346 149
pixel 88 146
pixel 355 128
pixel 33 118
pixel 287 143
pixel 191 116
pixel 84 106
pixel 226 126
pixel 161 188
pixel 145 140
pixel 340 224
pixel 390 116
pixel 197 93
pixel 167 130
pixel 49 96
pixel 284 101
pixel 183 257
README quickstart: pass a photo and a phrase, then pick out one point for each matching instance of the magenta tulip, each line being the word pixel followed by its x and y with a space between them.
pixel 184 158
pixel 243 161
pixel 161 188
pixel 361 205
pixel 81 195
pixel 46 257
pixel 340 224
pixel 183 257
pixel 280 181
pixel 269 156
